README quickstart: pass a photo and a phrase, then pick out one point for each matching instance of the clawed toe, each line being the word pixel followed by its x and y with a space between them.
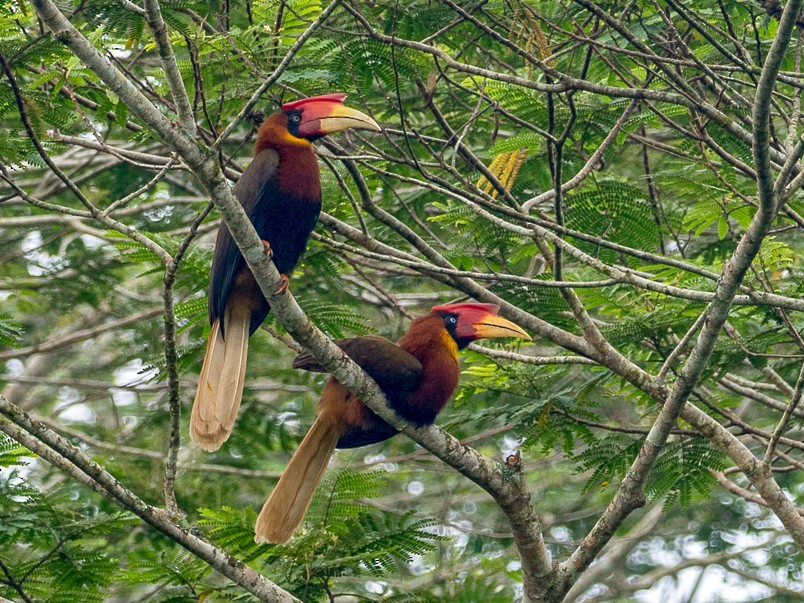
pixel 283 285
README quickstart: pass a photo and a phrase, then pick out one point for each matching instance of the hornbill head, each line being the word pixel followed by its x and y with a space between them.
pixel 469 322
pixel 312 118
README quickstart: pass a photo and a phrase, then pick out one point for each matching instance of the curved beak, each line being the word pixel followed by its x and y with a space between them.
pixel 480 321
pixel 340 117
pixel 326 114
pixel 490 327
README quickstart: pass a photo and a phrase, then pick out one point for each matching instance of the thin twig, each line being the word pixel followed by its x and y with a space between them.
pixel 785 420
pixel 13 583
pixel 143 189
pixel 60 341
pixel 171 365
pixel 680 349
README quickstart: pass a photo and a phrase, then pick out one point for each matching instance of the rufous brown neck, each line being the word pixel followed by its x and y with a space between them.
pixel 297 173
pixel 429 342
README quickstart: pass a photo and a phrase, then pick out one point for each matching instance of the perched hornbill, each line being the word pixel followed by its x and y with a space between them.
pixel 280 191
pixel 417 375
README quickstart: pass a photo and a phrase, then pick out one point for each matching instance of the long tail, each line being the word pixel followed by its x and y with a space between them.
pixel 285 508
pixel 220 385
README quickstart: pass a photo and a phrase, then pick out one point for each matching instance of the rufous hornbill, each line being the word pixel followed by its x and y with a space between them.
pixel 417 375
pixel 280 191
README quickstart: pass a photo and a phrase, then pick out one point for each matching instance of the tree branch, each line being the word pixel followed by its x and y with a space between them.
pixel 171 365
pixel 171 68
pixel 788 414
pixel 61 341
pixel 590 165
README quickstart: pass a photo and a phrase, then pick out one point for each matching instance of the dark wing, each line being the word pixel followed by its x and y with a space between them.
pixel 250 189
pixel 393 368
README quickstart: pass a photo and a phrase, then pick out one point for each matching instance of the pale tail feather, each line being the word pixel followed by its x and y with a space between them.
pixel 285 508
pixel 220 384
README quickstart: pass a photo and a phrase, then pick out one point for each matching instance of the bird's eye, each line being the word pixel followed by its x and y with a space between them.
pixel 452 320
pixel 295 118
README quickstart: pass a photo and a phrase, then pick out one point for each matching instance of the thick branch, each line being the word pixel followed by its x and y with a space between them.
pixel 758 473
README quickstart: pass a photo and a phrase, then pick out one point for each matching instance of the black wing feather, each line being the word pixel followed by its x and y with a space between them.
pixel 228 261
pixel 284 221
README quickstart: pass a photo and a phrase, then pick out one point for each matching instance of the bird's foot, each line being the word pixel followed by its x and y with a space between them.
pixel 283 285
pixel 266 248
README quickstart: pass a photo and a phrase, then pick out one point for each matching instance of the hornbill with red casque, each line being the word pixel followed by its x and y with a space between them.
pixel 280 192
pixel 417 375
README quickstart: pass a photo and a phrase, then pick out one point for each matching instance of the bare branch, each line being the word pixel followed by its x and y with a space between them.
pixel 171 361
pixel 789 412
pixel 171 68
pixel 680 349
pixel 591 164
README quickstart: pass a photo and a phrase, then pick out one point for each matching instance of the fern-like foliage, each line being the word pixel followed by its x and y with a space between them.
pixel 335 320
pixel 684 469
pixel 53 548
pixel 177 570
pixel 233 530
pixel 616 212
pixel 341 536
pixel 10 331
pixel 608 459
pixel 11 453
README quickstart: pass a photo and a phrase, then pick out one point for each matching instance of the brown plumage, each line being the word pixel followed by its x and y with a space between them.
pixel 417 376
pixel 281 193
